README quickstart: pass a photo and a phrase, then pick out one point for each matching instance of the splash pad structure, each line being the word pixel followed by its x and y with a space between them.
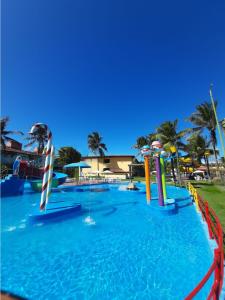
pixel 54 209
pixel 156 152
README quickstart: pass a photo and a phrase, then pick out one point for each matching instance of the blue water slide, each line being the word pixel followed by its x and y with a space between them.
pixel 60 176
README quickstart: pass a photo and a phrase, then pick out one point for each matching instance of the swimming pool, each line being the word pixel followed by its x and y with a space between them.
pixel 133 251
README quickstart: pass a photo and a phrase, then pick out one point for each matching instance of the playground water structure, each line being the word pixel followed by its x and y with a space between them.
pixel 13 185
pixel 130 250
pixel 58 179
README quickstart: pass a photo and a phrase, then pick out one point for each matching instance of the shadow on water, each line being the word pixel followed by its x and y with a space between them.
pixel 113 210
pixel 95 202
pixel 107 211
pixel 185 205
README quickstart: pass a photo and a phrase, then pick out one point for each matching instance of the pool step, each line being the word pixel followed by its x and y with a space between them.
pixel 54 211
pixel 169 208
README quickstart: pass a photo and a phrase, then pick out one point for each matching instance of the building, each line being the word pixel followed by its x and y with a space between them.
pixel 13 149
pixel 13 144
pixel 114 166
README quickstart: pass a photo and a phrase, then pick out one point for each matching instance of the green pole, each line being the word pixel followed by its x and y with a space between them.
pixel 162 166
pixel 217 122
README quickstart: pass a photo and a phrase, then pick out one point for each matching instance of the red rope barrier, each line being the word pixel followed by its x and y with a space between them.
pixel 215 232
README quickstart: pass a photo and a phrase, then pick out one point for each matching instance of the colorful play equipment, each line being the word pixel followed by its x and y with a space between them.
pixel 145 151
pixel 160 171
pixel 132 186
pixel 36 184
pixel 16 165
pixel 57 179
pixel 156 151
pixel 26 171
pixel 12 184
pixel 54 210
pixel 159 180
pixel 48 169
pixel 163 171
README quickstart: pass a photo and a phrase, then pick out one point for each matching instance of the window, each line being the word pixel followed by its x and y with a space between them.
pixel 106 160
pixel 106 169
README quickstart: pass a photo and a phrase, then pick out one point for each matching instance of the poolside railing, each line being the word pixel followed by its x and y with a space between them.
pixel 215 232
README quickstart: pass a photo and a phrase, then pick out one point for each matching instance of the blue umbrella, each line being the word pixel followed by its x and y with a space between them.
pixel 80 164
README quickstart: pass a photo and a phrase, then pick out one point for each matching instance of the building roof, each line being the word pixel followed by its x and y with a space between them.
pixel 9 139
pixel 107 156
pixel 118 170
pixel 7 149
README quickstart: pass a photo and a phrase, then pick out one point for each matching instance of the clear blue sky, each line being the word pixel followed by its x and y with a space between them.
pixel 117 67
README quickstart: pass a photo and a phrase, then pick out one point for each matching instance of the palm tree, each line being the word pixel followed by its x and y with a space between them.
pixel 144 140
pixel 204 118
pixel 140 142
pixel 68 155
pixel 5 133
pixel 198 148
pixel 95 144
pixel 169 137
pixel 222 124
pixel 151 137
pixel 40 136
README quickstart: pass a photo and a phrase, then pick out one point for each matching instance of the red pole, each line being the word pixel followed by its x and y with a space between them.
pixel 208 220
pixel 217 273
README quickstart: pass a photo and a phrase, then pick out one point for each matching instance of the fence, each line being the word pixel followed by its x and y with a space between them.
pixel 215 232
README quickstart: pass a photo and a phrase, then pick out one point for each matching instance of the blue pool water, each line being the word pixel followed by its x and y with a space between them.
pixel 132 251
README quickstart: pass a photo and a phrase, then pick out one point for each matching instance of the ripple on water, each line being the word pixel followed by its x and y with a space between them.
pixel 10 228
pixel 131 254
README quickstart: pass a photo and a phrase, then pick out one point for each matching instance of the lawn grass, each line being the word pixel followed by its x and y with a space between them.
pixel 215 195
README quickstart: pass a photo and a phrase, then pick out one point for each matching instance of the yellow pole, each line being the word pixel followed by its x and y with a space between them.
pixel 147 179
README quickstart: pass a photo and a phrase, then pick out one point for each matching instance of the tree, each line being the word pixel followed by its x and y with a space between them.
pixel 95 144
pixel 140 142
pixel 68 155
pixel 151 137
pixel 40 136
pixel 5 133
pixel 222 124
pixel 204 118
pixel 169 137
pixel 198 148
pixel 144 140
